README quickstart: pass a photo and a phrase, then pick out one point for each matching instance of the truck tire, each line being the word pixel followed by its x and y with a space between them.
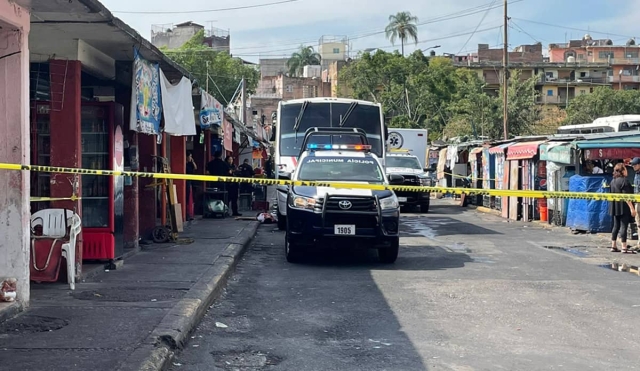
pixel 291 250
pixel 424 208
pixel 389 255
pixel 282 222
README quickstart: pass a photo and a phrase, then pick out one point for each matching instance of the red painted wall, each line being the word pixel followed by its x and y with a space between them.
pixel 65 138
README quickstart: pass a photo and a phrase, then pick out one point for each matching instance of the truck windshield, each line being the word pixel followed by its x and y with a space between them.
pixel 353 169
pixel 405 162
pixel 327 114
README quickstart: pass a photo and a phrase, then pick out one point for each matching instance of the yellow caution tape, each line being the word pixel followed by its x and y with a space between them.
pixel 262 181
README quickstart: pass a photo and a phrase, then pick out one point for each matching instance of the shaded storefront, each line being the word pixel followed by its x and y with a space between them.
pixel 560 160
pixel 523 161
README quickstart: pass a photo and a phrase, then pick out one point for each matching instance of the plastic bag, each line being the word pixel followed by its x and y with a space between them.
pixel 8 290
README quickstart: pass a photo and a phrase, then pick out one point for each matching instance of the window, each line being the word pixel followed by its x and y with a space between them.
pixel 405 162
pixel 582 92
pixel 549 93
pixel 353 169
pixel 631 54
pixel 549 75
pixel 580 56
pixel 336 50
pixel 583 74
pixel 289 88
pixel 605 55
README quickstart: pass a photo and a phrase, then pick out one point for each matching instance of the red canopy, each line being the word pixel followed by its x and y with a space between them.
pixel 523 151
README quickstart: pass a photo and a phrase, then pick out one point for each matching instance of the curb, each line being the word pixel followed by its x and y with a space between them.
pixel 10 311
pixel 173 330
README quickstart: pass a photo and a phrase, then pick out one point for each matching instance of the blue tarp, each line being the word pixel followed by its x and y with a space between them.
pixel 588 215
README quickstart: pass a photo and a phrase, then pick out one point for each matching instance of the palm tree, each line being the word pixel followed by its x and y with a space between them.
pixel 402 26
pixel 306 56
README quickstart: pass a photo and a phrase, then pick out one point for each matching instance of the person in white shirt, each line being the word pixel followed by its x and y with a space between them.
pixel 593 169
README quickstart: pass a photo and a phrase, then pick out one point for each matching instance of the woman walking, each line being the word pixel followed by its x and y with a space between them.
pixel 621 211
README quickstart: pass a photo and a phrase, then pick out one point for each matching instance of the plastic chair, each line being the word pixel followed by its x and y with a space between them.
pixel 54 224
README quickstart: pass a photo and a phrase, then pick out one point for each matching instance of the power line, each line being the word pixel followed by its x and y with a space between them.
pixel 205 11
pixel 270 53
pixel 478 26
pixel 520 29
pixel 570 28
pixel 451 16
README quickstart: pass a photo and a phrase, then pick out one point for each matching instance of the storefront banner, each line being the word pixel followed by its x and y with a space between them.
pixel 611 153
pixel 146 98
pixel 211 111
pixel 228 136
pixel 177 104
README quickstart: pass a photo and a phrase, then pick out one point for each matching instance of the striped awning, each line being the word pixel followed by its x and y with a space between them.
pixel 499 149
pixel 524 150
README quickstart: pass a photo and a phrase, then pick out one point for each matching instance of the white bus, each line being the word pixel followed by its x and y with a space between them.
pixel 610 124
pixel 293 119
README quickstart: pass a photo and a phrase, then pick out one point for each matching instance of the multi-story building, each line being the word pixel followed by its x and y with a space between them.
pixel 559 81
pixel 273 89
pixel 332 49
pixel 623 59
pixel 271 67
pixel 174 36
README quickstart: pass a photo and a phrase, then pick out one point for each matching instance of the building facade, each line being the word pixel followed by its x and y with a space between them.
pixel 174 36
pixel 623 59
pixel 558 81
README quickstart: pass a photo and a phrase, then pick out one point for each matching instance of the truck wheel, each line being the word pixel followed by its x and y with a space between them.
pixel 291 250
pixel 389 254
pixel 424 208
pixel 282 222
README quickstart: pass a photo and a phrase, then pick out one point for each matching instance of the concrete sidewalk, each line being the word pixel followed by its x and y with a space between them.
pixel 131 318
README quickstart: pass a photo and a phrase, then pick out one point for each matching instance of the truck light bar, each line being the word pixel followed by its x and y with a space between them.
pixel 357 147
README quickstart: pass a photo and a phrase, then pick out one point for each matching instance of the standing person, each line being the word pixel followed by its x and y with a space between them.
pixel 232 188
pixel 268 167
pixel 190 170
pixel 592 168
pixel 246 171
pixel 636 188
pixel 217 167
pixel 620 211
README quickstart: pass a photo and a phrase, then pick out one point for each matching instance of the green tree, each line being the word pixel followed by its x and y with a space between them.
pixel 225 72
pixel 523 111
pixel 402 25
pixel 604 101
pixel 305 56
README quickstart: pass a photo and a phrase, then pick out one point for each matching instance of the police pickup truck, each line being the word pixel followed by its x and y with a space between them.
pixel 408 166
pixel 342 217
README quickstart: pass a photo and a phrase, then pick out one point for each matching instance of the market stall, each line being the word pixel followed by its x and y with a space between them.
pixel 560 160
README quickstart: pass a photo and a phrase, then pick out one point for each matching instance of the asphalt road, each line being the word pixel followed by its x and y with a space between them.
pixel 469 291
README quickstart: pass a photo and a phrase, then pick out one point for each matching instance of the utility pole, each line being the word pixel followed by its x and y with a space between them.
pixel 505 82
pixel 243 100
pixel 207 84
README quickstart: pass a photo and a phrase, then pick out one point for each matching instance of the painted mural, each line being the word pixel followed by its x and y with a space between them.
pixel 211 111
pixel 147 99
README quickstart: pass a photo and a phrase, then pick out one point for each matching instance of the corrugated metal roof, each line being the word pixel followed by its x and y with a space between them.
pixel 619 142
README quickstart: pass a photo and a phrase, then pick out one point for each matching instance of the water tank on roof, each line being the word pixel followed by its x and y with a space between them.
pixel 631 42
pixel 571 59
pixel 312 71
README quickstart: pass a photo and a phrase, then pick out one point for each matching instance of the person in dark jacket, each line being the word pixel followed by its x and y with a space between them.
pixel 268 167
pixel 191 169
pixel 219 168
pixel 232 188
pixel 246 171
pixel 620 211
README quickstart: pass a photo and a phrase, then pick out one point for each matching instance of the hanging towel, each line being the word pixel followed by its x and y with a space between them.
pixel 177 106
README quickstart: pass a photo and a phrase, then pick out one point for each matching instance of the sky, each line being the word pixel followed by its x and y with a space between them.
pixel 457 26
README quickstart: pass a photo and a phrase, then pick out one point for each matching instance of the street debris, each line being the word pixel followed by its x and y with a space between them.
pixel 221 325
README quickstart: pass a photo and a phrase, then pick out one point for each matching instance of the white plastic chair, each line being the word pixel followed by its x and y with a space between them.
pixel 54 224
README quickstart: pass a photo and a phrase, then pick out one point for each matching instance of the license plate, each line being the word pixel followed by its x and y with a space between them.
pixel 344 230
pixel 402 199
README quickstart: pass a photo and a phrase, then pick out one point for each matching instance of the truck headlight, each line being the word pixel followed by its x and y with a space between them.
pixel 389 203
pixel 300 202
pixel 425 182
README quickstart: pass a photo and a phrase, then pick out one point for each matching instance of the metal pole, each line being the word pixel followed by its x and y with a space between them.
pixel 207 84
pixel 505 81
pixel 243 99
